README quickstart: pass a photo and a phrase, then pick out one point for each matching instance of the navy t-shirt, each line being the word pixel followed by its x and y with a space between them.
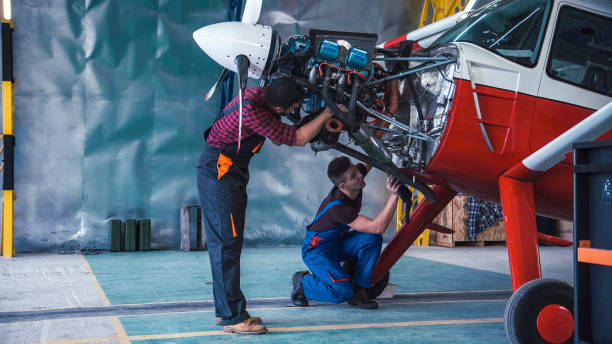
pixel 340 214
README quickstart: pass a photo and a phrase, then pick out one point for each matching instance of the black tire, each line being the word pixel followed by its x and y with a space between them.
pixel 374 290
pixel 378 287
pixel 524 306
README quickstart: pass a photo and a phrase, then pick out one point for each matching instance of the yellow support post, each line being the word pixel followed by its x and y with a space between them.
pixel 8 193
pixel 8 248
pixel 439 9
pixel 400 215
pixel 423 239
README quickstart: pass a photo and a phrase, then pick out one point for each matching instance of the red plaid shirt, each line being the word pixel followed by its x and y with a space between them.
pixel 257 118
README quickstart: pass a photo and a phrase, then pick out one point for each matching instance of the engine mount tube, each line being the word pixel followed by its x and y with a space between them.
pixel 353 102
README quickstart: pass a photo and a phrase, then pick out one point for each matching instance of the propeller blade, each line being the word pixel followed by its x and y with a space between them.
pixel 214 87
pixel 251 12
pixel 242 66
pixel 240 94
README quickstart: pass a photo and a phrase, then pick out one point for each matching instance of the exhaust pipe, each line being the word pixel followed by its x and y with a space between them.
pixel 372 145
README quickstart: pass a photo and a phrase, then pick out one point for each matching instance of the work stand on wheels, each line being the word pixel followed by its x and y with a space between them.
pixel 593 241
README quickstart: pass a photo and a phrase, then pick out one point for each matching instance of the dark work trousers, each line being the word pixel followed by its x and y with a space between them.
pixel 223 202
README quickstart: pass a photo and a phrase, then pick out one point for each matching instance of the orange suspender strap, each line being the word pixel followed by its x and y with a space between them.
pixel 223 165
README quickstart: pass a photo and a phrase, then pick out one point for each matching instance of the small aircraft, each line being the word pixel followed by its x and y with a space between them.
pixel 487 102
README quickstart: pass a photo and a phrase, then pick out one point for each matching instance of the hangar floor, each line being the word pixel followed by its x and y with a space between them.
pixel 444 295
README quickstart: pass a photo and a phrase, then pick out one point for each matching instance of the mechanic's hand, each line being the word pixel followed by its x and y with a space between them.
pixel 327 112
pixel 393 185
pixel 330 113
pixel 342 107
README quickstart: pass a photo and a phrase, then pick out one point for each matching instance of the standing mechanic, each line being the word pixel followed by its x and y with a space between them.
pixel 328 241
pixel 223 174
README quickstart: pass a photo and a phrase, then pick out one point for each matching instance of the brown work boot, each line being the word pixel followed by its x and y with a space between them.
pixel 246 327
pixel 255 320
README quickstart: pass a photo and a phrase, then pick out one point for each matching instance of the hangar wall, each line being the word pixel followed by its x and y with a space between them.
pixel 109 115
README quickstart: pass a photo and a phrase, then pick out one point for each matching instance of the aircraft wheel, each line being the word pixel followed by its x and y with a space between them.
pixel 374 290
pixel 378 287
pixel 540 311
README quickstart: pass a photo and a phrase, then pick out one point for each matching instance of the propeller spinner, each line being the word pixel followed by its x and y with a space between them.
pixel 224 42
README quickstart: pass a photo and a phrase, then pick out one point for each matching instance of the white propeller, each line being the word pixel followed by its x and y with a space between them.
pixel 251 12
pixel 208 40
pixel 229 44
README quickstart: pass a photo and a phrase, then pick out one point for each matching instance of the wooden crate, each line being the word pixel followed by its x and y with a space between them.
pixel 455 217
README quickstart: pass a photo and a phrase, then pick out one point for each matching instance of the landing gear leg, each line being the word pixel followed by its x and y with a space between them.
pixel 540 310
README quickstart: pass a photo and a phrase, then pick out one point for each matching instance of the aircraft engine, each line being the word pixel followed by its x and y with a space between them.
pixel 401 119
pixel 396 102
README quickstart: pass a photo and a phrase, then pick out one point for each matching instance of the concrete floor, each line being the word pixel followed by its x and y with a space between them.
pixel 444 295
pixel 557 262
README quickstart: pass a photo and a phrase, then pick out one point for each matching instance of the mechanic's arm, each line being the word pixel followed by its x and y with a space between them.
pixel 309 130
pixel 381 222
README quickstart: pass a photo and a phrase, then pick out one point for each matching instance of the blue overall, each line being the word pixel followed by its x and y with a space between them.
pixel 324 251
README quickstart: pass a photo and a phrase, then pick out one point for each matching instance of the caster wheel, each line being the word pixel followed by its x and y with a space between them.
pixel 540 311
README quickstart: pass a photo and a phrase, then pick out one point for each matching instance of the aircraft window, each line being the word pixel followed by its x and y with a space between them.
pixel 511 28
pixel 479 3
pixel 581 52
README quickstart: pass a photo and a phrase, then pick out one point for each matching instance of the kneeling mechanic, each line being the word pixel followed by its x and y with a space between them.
pixel 329 240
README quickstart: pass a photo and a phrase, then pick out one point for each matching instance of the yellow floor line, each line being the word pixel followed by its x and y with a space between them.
pixel 392 324
pixel 122 336
pixel 101 293
pixel 287 330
